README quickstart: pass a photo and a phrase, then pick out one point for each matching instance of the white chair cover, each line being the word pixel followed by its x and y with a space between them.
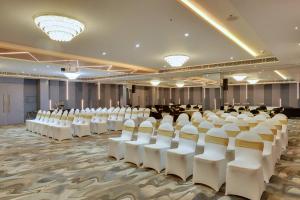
pixel 202 130
pixel 210 167
pixel 37 118
pixel 244 175
pixel 269 159
pixel 180 160
pixel 155 154
pixel 134 150
pixel 127 113
pixel 63 130
pixel 82 128
pixel 232 130
pixel 95 118
pixel 101 125
pixel 116 145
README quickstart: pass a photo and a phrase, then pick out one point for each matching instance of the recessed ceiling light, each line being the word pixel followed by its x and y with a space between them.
pixel 103 53
pixel 231 58
pixel 59 28
pixel 252 81
pixel 137 46
pixel 296 27
pixel 180 84
pixel 71 75
pixel 155 82
pixel 186 35
pixel 299 44
pixel 239 77
pixel 200 11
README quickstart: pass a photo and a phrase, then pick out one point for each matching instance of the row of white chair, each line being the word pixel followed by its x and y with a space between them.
pixel 63 125
pixel 252 142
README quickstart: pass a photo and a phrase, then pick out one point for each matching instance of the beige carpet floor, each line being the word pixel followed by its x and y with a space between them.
pixel 35 167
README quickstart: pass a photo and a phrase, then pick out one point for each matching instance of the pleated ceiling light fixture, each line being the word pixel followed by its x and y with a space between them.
pixel 155 82
pixel 176 60
pixel 59 28
pixel 180 84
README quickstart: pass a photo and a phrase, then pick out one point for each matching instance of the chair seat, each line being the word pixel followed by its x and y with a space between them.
pixel 181 151
pixel 210 157
pixel 136 143
pixel 157 146
pixel 118 139
pixel 244 165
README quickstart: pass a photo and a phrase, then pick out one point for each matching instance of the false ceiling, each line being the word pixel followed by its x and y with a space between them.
pixel 159 26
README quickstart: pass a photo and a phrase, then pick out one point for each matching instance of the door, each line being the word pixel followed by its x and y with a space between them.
pixel 15 103
pixel 11 101
pixel 3 109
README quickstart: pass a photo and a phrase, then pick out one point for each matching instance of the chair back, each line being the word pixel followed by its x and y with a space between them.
pixel 252 122
pixel 121 114
pixel 196 115
pixel 114 114
pixel 225 115
pixel 243 125
pixel 282 118
pixel 167 119
pixel 232 130
pixel 266 135
pixel 188 138
pixel 178 127
pixel 39 115
pixel 104 115
pixel 128 129
pixel 141 112
pixel 183 117
pixel 242 116
pixel 249 147
pixel 128 113
pixel 165 134
pixel 216 142
pixel 134 114
pixel 147 113
pixel 260 118
pixel 218 123
pixel 145 131
pixel 152 120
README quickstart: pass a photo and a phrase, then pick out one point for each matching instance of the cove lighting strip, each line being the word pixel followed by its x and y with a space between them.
pixel 98 89
pixel 280 74
pixel 195 7
pixel 67 90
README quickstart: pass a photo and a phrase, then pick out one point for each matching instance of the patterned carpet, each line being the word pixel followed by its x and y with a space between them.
pixel 35 167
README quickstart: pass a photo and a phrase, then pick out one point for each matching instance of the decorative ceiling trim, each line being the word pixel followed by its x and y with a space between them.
pixel 201 12
pixel 67 56
pixel 265 60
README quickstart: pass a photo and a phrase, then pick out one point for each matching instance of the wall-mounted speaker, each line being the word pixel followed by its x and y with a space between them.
pixel 225 84
pixel 133 88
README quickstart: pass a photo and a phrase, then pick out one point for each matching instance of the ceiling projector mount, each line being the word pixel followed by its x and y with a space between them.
pixel 70 71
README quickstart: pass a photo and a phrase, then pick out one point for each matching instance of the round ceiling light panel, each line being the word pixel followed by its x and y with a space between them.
pixel 59 28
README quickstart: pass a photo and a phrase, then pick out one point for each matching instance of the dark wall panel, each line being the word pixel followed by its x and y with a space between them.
pixel 268 94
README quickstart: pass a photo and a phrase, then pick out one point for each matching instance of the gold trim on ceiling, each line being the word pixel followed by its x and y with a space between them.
pixel 68 56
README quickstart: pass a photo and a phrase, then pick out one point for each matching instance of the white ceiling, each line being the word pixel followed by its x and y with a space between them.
pixel 44 69
pixel 115 26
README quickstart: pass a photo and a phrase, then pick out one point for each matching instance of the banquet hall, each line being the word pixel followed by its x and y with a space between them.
pixel 150 99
